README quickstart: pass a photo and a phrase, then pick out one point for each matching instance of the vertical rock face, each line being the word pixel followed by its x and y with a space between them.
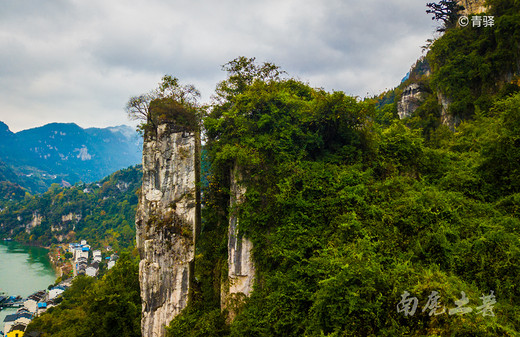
pixel 472 6
pixel 36 221
pixel 241 269
pixel 410 100
pixel 167 221
pixel 446 117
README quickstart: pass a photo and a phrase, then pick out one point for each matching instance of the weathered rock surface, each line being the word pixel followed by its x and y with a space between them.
pixel 472 6
pixel 446 117
pixel 167 222
pixel 241 268
pixel 36 221
pixel 71 217
pixel 411 99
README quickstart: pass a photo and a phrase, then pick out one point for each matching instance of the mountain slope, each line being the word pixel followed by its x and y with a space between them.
pixel 66 153
pixel 102 213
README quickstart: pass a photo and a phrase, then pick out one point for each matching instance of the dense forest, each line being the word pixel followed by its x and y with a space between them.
pixel 354 213
pixel 102 213
pixel 363 224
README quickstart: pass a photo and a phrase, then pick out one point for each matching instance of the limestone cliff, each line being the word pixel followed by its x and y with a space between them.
pixel 167 221
pixel 447 118
pixel 241 269
pixel 472 6
pixel 411 99
pixel 36 221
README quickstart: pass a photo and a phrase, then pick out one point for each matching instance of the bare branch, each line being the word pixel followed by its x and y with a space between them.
pixel 137 107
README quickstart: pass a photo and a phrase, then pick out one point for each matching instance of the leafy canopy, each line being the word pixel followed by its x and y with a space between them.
pixel 170 101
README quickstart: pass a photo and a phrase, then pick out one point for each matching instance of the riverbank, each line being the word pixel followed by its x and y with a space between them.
pixel 24 270
pixel 60 262
pixel 62 266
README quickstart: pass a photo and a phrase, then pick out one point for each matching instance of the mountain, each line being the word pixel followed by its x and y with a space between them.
pixel 4 131
pixel 102 212
pixel 325 215
pixel 66 153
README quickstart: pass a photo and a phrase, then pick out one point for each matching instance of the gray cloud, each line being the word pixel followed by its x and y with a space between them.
pixel 79 61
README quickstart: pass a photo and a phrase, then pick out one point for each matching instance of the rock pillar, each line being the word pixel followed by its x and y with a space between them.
pixel 167 222
pixel 241 269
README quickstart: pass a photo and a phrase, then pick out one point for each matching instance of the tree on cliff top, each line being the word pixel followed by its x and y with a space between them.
pixel 243 72
pixel 446 11
pixel 169 101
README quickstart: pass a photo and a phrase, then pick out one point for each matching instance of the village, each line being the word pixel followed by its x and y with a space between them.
pixel 70 261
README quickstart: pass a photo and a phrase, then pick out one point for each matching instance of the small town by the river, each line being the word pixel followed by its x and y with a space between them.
pixel 32 279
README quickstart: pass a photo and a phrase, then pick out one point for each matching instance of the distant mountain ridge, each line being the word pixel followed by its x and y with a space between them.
pixel 101 212
pixel 65 153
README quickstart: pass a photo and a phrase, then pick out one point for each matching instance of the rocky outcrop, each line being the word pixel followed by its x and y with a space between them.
pixel 446 117
pixel 167 222
pixel 241 269
pixel 36 221
pixel 411 99
pixel 71 217
pixel 472 6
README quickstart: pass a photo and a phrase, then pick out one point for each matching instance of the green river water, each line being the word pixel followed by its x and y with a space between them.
pixel 23 271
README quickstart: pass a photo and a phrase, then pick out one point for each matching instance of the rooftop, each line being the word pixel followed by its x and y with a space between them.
pixel 14 317
pixel 37 296
pixel 18 326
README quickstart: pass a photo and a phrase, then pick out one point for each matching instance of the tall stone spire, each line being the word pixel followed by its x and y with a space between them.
pixel 167 222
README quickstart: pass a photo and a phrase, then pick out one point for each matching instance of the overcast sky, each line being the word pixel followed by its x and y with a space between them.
pixel 80 61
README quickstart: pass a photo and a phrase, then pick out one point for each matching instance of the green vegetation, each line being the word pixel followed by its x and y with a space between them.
pixel 64 153
pixel 102 213
pixel 107 307
pixel 349 208
pixel 169 110
pixel 10 191
pixel 170 102
pixel 473 66
pixel 14 181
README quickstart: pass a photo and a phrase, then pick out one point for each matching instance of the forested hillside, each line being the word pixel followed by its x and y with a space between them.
pixel 102 213
pixel 363 224
pixel 357 216
pixel 65 154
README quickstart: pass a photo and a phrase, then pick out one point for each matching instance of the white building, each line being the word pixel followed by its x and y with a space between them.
pixel 55 292
pixel 81 252
pixel 18 318
pixel 31 305
pixel 96 256
pixel 91 271
pixel 79 248
pixel 73 246
pixel 13 320
pixel 112 261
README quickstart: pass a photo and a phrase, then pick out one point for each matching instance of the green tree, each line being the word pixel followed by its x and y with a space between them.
pixel 243 72
pixel 107 307
pixel 446 11
pixel 168 100
pixel 501 165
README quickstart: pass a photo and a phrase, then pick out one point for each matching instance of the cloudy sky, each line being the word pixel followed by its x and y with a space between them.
pixel 80 61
